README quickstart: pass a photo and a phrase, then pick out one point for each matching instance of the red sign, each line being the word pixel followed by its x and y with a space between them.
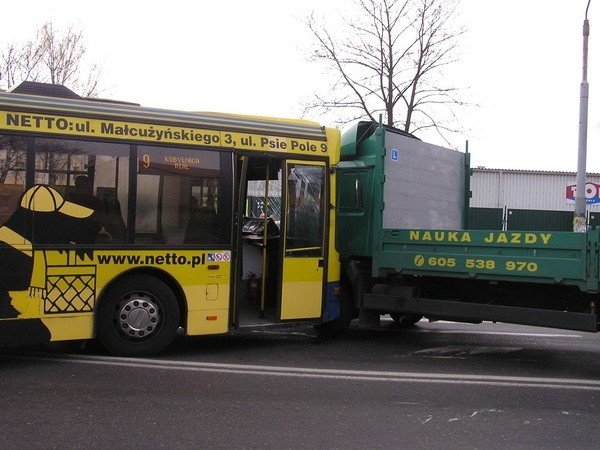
pixel 592 192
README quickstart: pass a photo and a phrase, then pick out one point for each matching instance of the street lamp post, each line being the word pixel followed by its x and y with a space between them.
pixel 579 221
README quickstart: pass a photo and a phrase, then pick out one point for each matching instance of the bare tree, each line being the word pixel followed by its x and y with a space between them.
pixel 389 60
pixel 53 57
pixel 12 158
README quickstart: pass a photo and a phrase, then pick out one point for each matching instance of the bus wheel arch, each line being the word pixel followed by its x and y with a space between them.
pixel 138 314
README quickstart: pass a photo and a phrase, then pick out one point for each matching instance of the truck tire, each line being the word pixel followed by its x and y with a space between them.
pixel 137 316
pixel 405 319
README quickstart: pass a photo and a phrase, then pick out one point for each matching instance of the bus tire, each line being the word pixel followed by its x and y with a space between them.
pixel 137 316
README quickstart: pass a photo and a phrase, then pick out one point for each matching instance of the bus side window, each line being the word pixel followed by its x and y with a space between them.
pixel 113 225
pixel 91 174
pixel 203 226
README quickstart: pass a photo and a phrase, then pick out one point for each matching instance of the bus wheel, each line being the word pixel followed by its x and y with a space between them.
pixel 138 316
pixel 405 319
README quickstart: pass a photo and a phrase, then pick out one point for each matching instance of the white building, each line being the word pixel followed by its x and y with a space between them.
pixel 531 195
pixel 528 189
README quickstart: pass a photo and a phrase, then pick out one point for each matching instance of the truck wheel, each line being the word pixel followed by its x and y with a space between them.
pixel 138 316
pixel 405 319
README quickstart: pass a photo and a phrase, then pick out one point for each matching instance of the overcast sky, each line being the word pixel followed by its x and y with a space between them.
pixel 521 60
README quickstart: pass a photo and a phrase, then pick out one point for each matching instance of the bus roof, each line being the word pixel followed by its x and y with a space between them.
pixel 125 111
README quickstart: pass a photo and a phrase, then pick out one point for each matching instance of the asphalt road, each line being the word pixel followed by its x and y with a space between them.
pixel 437 385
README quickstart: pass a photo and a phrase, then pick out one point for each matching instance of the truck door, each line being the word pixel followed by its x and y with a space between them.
pixel 303 263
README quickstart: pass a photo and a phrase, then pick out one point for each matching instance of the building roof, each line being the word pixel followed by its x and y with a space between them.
pixel 529 171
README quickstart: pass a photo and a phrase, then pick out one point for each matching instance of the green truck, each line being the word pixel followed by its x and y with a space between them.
pixel 407 250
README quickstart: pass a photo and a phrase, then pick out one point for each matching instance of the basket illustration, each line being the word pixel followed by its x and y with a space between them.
pixel 70 289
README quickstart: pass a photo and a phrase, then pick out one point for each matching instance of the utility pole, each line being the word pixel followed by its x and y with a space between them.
pixel 579 221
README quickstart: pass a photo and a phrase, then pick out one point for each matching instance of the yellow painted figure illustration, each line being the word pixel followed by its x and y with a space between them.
pixel 35 280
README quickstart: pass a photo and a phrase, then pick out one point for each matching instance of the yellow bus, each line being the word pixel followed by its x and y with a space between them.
pixel 127 224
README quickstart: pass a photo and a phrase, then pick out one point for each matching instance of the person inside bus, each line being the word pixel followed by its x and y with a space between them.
pixel 82 195
pixel 108 211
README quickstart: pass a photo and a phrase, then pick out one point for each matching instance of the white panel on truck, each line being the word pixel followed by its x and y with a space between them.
pixel 424 185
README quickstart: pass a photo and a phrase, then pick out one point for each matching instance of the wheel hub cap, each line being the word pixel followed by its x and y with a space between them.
pixel 138 316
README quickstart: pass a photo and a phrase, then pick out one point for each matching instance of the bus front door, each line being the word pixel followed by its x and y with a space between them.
pixel 303 263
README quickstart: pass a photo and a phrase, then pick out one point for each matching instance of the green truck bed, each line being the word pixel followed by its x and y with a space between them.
pixel 531 257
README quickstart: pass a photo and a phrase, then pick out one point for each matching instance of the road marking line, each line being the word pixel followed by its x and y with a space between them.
pixel 334 374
